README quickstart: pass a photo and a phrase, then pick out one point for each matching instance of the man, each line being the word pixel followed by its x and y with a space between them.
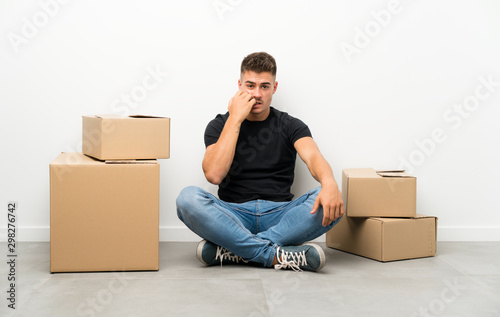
pixel 250 153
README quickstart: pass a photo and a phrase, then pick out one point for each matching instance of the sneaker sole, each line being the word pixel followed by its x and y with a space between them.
pixel 199 251
pixel 322 257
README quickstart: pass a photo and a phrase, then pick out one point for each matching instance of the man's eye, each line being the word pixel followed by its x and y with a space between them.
pixel 265 87
pixel 249 86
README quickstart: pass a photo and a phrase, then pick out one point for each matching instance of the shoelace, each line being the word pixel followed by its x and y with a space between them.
pixel 224 253
pixel 297 259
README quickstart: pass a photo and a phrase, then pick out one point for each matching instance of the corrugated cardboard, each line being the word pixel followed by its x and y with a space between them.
pixel 385 239
pixel 112 137
pixel 370 193
pixel 103 217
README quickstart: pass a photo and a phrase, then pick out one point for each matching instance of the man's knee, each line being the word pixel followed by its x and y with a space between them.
pixel 187 194
pixel 315 191
pixel 312 194
pixel 186 201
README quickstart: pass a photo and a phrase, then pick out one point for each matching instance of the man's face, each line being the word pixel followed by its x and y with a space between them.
pixel 261 86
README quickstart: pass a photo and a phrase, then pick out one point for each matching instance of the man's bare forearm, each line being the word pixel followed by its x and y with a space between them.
pixel 322 171
pixel 219 156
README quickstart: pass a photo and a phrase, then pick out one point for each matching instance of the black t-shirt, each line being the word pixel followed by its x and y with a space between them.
pixel 264 160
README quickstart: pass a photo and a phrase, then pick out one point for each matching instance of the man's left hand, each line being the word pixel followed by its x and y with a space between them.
pixel 330 199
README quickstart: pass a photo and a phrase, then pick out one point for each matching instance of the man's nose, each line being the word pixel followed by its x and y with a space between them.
pixel 256 93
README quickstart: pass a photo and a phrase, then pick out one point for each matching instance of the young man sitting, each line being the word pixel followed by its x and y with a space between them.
pixel 250 153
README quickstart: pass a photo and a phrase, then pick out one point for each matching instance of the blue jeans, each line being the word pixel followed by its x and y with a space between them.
pixel 254 229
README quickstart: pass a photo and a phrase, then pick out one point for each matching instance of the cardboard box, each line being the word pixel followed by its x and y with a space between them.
pixel 104 216
pixel 385 239
pixel 370 193
pixel 113 137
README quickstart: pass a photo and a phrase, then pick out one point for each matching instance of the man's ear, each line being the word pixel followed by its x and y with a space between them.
pixel 275 87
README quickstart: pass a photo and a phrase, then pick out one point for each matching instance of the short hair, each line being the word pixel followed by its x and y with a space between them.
pixel 259 62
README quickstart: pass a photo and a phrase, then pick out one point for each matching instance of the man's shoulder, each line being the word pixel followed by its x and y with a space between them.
pixel 219 119
pixel 278 113
pixel 284 117
pixel 214 128
pixel 222 116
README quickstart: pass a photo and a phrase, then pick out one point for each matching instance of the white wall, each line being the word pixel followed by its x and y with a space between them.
pixel 370 100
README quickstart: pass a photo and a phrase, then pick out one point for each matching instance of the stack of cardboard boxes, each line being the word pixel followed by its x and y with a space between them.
pixel 381 220
pixel 104 202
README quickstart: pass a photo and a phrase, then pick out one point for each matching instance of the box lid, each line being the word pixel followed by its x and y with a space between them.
pixel 391 219
pixel 393 173
pixel 77 158
pixel 117 116
pixel 372 173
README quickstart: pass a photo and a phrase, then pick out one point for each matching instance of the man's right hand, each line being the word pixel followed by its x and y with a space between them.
pixel 240 105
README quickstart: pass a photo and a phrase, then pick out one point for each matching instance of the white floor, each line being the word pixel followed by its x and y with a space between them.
pixel 462 280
